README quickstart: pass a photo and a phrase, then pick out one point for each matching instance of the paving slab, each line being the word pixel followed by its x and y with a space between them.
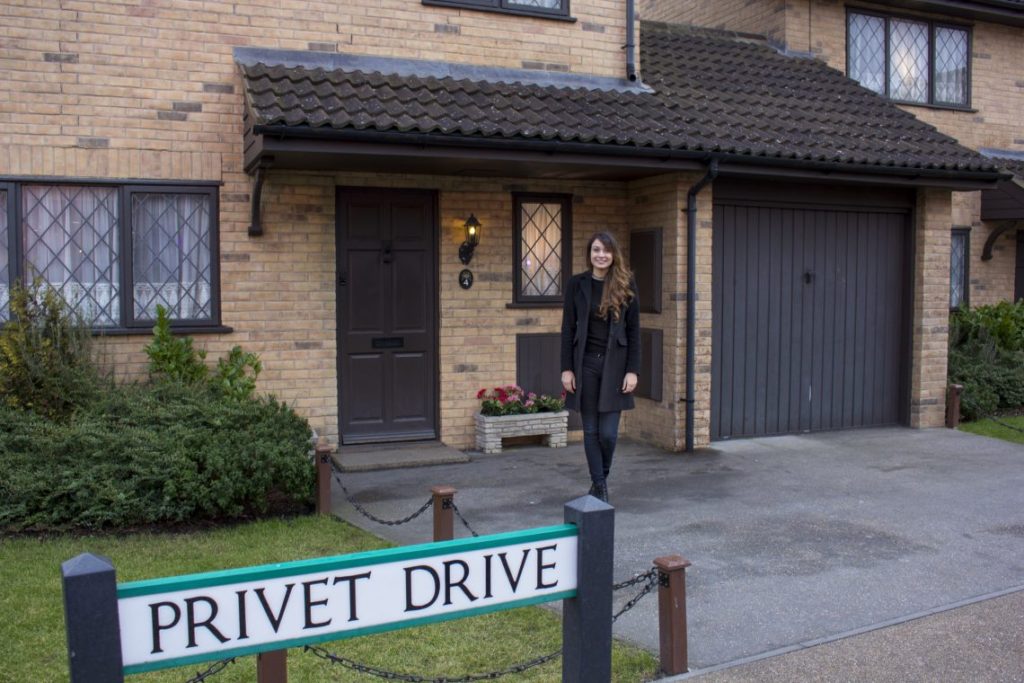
pixel 793 539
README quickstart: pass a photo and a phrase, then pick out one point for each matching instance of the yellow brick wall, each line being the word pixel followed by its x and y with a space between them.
pixel 931 308
pixel 150 91
pixel 762 18
pixel 993 280
pixel 654 203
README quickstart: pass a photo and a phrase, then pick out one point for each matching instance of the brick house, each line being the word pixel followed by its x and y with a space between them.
pixel 296 177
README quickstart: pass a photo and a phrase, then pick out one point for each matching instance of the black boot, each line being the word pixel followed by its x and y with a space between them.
pixel 601 492
pixel 593 490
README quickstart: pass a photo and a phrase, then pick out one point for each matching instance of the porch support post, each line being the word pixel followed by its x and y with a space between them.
pixel 323 478
pixel 444 509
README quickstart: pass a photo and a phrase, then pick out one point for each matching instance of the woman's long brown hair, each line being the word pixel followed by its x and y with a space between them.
pixel 616 293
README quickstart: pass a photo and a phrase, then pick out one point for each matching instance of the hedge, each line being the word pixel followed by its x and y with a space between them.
pixel 151 454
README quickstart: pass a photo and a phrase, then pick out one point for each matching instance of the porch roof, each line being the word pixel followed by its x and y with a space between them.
pixel 709 94
pixel 1006 201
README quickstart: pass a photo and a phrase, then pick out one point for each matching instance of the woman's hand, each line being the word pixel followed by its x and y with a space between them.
pixel 628 382
pixel 569 381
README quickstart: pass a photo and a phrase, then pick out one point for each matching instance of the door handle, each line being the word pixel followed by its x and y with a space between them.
pixel 386 254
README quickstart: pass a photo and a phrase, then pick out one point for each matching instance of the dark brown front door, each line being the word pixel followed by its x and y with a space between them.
pixel 387 360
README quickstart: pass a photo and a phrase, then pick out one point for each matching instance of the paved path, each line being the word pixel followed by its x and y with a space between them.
pixel 794 540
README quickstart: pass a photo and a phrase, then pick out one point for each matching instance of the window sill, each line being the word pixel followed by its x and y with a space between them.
pixel 539 304
pixel 141 331
pixel 455 4
pixel 941 107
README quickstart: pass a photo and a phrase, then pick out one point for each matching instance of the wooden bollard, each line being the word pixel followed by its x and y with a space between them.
pixel 323 477
pixel 444 513
pixel 272 667
pixel 672 613
pixel 953 405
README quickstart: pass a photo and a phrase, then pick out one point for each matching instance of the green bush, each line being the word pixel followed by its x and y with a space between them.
pixel 174 358
pixel 233 377
pixel 46 361
pixel 986 356
pixel 138 455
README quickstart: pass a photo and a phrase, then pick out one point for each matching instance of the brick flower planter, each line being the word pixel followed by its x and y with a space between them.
pixel 491 430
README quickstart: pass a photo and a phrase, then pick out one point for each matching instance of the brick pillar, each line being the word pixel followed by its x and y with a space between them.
pixel 931 308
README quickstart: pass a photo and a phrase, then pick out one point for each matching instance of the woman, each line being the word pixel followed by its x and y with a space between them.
pixel 601 352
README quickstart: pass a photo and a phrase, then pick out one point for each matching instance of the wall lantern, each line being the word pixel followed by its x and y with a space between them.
pixel 472 226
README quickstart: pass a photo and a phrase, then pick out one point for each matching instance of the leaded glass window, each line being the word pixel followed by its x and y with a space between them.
pixel 543 228
pixel 541 4
pixel 171 255
pixel 70 239
pixel 958 268
pixel 114 252
pixel 867 51
pixel 950 65
pixel 909 60
pixel 540 8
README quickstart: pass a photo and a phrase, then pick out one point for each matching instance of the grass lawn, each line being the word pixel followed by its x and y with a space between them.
pixel 32 638
pixel 997 431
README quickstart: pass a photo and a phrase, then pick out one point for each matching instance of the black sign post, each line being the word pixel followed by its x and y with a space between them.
pixel 90 615
pixel 587 618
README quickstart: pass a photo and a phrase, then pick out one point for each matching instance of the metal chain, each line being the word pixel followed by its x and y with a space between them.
pixel 413 678
pixel 1007 425
pixel 652 581
pixel 639 578
pixel 463 519
pixel 214 669
pixel 369 515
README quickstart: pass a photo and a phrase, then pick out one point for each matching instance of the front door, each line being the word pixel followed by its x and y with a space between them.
pixel 387 315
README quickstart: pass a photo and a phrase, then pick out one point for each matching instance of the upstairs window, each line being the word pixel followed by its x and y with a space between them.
pixel 114 252
pixel 909 60
pixel 557 9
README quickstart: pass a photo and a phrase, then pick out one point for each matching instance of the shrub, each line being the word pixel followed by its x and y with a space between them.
pixel 167 453
pixel 46 361
pixel 233 378
pixel 986 356
pixel 174 358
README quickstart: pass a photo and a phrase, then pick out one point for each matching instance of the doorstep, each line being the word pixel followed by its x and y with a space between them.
pixel 385 456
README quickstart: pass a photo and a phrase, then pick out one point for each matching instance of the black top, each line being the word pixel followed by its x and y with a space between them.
pixel 597 330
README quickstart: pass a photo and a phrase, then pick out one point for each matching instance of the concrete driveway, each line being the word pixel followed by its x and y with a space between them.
pixel 793 539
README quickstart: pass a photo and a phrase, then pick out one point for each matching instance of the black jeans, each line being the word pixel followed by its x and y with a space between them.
pixel 600 430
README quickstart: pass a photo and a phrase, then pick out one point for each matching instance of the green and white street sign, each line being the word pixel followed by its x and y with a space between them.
pixel 182 620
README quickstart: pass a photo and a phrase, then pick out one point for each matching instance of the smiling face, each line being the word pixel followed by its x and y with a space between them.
pixel 601 258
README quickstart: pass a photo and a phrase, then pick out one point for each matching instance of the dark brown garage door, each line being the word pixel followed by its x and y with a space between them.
pixel 809 323
pixel 387 346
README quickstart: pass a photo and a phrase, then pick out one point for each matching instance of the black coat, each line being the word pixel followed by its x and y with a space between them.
pixel 623 345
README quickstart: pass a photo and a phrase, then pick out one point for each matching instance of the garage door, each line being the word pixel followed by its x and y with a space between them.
pixel 810 322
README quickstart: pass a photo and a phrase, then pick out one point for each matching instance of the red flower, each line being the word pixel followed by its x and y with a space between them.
pixel 481 393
